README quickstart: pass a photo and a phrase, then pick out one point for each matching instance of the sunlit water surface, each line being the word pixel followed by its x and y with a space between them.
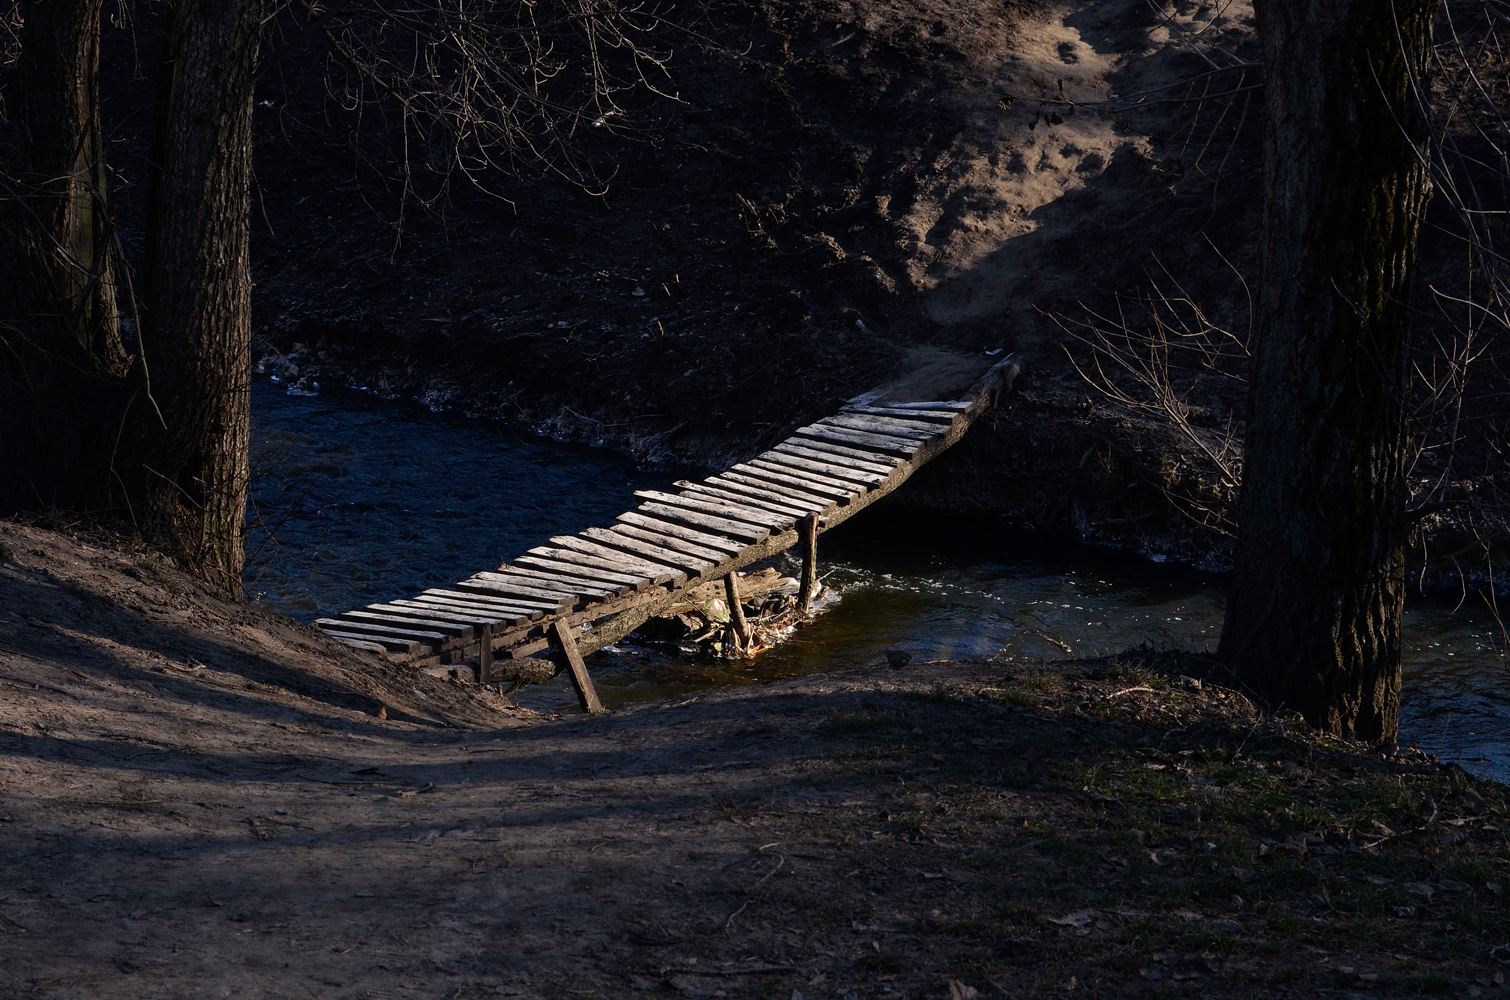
pixel 367 499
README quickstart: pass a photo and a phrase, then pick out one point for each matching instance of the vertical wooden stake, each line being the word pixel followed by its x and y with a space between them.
pixel 568 657
pixel 484 654
pixel 736 611
pixel 807 534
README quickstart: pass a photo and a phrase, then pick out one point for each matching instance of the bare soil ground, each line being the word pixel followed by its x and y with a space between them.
pixel 198 799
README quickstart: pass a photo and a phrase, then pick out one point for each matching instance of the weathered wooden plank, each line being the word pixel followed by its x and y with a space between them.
pixel 799 448
pixel 470 597
pixel 491 602
pixel 560 581
pixel 566 648
pixel 658 550
pixel 807 503
pixel 785 489
pixel 479 613
pixel 578 567
pixel 850 489
pixel 766 500
pixel 550 605
pixel 432 611
pixel 375 643
pixel 456 630
pixel 718 508
pixel 884 443
pixel 916 430
pixel 957 405
pixel 788 478
pixel 565 579
pixel 658 572
pixel 424 636
pixel 715 492
pixel 527 587
pixel 865 479
pixel 859 457
pixel 946 417
pixel 714 547
pixel 739 530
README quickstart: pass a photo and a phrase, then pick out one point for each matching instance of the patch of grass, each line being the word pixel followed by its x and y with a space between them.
pixel 1021 697
pixel 1431 983
pixel 78 590
pixel 1021 913
pixel 1057 845
pixel 1241 837
pixel 867 720
pixel 1282 923
pixel 887 963
pixel 159 576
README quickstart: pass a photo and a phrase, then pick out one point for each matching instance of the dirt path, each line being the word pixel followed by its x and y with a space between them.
pixel 242 824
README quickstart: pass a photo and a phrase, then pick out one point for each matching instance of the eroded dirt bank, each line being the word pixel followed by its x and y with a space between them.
pixel 196 799
pixel 841 188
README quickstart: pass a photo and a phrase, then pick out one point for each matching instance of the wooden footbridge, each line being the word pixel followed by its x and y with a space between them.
pixel 580 592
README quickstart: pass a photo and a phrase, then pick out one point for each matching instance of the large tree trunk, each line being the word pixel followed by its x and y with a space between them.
pixel 199 287
pixel 1313 621
pixel 61 358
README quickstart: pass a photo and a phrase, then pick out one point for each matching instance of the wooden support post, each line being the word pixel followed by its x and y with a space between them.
pixel 736 610
pixel 568 657
pixel 807 534
pixel 484 654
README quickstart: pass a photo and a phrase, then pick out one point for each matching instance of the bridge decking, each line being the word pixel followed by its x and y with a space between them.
pixel 602 583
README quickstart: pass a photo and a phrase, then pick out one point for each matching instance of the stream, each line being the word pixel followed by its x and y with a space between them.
pixel 359 499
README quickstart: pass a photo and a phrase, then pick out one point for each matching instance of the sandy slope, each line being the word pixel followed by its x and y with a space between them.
pixel 1001 193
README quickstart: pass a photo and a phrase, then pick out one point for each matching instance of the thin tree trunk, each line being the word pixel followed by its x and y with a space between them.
pixel 1313 621
pixel 199 287
pixel 62 169
pixel 62 363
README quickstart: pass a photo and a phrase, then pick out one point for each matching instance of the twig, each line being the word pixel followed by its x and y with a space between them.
pixel 729 922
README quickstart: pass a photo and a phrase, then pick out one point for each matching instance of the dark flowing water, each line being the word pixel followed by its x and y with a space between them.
pixel 370 499
pixel 365 499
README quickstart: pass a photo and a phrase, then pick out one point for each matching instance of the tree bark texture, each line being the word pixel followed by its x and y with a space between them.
pixel 1313 620
pixel 62 363
pixel 61 170
pixel 198 277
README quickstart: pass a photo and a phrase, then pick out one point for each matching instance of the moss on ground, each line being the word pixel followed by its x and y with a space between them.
pixel 1126 825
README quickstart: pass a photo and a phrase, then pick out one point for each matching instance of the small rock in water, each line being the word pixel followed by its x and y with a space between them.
pixel 898 658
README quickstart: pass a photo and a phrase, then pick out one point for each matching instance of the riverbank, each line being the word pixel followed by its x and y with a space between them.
pixel 199 794
pixel 843 192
